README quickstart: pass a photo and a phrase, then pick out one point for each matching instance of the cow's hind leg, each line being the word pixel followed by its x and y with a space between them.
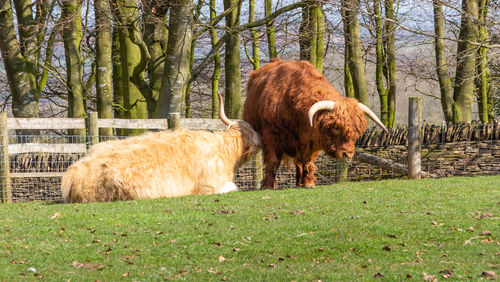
pixel 272 159
pixel 308 169
pixel 272 163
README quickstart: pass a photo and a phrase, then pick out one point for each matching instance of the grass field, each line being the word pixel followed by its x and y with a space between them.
pixel 392 230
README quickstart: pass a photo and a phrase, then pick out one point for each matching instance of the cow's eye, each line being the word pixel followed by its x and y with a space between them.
pixel 335 131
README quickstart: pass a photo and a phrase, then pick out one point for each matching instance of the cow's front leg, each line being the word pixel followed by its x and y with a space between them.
pixel 299 170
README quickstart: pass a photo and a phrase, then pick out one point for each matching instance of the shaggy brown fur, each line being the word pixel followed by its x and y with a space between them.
pixel 279 97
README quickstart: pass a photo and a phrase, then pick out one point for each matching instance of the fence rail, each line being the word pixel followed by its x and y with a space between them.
pixel 30 163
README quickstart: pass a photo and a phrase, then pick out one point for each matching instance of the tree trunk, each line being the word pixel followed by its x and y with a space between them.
pixel 348 84
pixel 27 29
pixel 217 69
pixel 353 43
pixel 380 64
pixel 271 41
pixel 390 54
pixel 466 53
pixel 72 36
pixel 118 81
pixel 177 70
pixel 483 76
pixel 445 84
pixel 156 38
pixel 232 103
pixel 312 39
pixel 255 60
pixel 132 63
pixel 196 18
pixel 22 82
pixel 104 64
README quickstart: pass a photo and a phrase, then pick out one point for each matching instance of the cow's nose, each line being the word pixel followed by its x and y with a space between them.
pixel 348 155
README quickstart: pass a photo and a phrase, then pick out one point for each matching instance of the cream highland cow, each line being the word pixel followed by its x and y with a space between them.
pixel 161 164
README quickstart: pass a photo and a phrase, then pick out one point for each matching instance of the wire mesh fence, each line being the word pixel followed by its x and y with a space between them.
pixel 36 163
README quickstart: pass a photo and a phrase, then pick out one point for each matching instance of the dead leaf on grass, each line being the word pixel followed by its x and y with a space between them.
pixel 489 240
pixel 489 275
pixel 485 232
pixel 221 258
pixel 57 214
pixel 126 274
pixel 378 275
pixel 447 273
pixel 19 261
pixel 484 215
pixel 77 264
pixel 436 223
pixel 429 277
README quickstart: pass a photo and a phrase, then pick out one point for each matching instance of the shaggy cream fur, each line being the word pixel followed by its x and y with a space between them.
pixel 161 164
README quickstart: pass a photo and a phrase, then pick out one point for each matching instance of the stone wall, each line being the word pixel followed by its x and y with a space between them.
pixel 467 158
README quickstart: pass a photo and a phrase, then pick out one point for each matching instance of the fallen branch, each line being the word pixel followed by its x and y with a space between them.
pixel 387 164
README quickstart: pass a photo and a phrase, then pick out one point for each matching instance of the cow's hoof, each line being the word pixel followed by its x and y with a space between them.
pixel 309 186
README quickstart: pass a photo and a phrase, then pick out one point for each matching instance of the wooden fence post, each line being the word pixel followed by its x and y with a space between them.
pixel 5 185
pixel 92 129
pixel 174 120
pixel 257 170
pixel 414 134
pixel 341 170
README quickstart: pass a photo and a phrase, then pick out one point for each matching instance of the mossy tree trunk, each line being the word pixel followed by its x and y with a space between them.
pixel 348 84
pixel 104 64
pixel 177 70
pixel 217 67
pixel 270 33
pixel 156 38
pixel 232 102
pixel 483 75
pixel 463 89
pixel 72 36
pixel 385 72
pixel 19 58
pixel 254 59
pixel 196 18
pixel 312 35
pixel 132 63
pixel 353 44
pixel 445 83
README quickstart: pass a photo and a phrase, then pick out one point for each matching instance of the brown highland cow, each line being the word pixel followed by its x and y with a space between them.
pixel 298 113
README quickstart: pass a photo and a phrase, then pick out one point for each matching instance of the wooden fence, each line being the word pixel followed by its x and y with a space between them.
pixel 92 124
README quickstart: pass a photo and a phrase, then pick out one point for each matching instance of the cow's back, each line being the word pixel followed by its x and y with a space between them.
pixel 281 92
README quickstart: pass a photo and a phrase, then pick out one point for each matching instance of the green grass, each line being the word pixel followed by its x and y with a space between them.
pixel 349 231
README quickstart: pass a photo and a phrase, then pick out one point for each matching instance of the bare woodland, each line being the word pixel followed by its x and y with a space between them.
pixel 149 58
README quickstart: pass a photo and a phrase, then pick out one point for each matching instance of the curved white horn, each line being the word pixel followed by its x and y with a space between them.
pixel 327 105
pixel 222 114
pixel 373 116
